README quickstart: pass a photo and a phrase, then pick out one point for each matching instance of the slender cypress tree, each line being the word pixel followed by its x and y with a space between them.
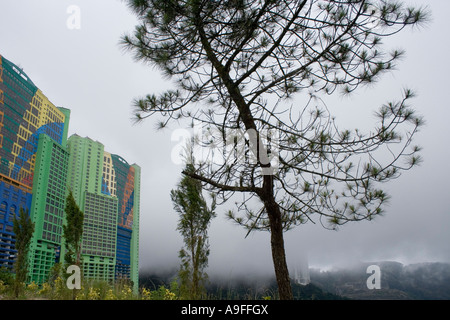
pixel 73 231
pixel 23 229
pixel 194 219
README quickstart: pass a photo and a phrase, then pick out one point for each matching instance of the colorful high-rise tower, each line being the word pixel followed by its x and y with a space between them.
pixel 39 165
pixel 33 168
pixel 107 189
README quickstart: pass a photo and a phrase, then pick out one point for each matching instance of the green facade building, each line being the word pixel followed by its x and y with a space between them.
pixel 47 207
pixel 107 189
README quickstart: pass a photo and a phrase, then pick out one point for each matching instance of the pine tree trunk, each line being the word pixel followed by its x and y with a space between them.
pixel 277 242
pixel 279 256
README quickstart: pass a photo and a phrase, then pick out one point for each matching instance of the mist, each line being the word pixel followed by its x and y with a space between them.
pixel 86 71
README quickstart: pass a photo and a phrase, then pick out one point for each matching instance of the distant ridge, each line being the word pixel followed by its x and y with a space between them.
pixel 420 281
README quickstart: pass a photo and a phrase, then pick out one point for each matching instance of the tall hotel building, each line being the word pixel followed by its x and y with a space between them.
pixel 38 165
pixel 33 169
pixel 107 189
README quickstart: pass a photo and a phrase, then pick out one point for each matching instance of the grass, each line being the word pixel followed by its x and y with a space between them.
pixel 90 290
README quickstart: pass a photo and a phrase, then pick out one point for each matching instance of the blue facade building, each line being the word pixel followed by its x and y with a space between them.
pixel 12 199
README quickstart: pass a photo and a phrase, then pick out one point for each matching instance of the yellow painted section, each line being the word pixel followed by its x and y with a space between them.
pixel 47 111
pixel 42 111
pixel 109 174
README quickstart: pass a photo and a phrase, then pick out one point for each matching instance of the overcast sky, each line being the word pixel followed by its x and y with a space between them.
pixel 86 71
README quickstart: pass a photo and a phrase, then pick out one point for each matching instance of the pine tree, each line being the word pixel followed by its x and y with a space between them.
pixel 238 65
